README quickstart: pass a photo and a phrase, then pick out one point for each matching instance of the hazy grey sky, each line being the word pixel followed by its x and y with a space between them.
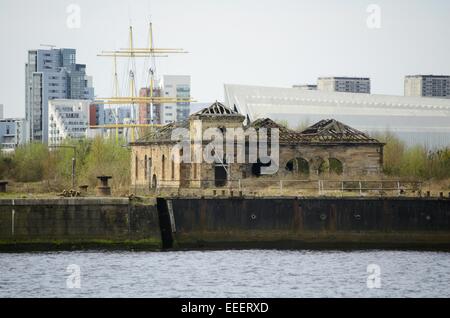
pixel 257 42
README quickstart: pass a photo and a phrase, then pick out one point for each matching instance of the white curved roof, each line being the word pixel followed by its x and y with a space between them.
pixel 367 112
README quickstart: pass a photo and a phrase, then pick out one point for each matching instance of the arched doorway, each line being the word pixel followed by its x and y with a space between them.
pixel 336 166
pixel 154 182
pixel 298 166
pixel 220 175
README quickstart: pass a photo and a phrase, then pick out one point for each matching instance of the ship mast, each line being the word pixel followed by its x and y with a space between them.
pixel 132 53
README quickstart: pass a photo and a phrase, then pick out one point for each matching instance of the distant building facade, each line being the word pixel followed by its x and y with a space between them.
pixel 171 86
pixel 428 86
pixel 175 86
pixel 52 74
pixel 149 114
pixel 68 119
pixel 12 133
pixel 344 84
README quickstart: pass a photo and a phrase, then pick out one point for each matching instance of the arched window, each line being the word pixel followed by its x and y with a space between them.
pixel 173 168
pixel 145 167
pixel 136 168
pixel 163 166
pixel 336 166
pixel 299 166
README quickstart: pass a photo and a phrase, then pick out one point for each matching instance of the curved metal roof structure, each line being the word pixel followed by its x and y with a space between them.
pixel 414 119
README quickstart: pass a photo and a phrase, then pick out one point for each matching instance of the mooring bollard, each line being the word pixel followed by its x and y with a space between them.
pixel 428 194
pixel 104 189
pixel 441 195
pixel 214 192
pixel 3 185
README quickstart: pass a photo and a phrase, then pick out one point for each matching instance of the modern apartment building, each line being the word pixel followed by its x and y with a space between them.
pixel 344 84
pixel 68 119
pixel 147 113
pixel 12 133
pixel 171 86
pixel 428 86
pixel 175 86
pixel 52 74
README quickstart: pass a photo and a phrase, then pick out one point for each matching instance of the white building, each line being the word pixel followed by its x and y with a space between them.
pixel 52 74
pixel 175 86
pixel 417 120
pixel 344 84
pixel 427 86
pixel 13 133
pixel 68 119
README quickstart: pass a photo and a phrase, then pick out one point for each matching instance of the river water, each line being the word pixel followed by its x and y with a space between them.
pixel 255 274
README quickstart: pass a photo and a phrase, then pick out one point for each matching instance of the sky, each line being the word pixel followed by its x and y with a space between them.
pixel 256 42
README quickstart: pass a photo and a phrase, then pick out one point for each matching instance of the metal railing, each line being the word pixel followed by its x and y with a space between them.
pixel 287 186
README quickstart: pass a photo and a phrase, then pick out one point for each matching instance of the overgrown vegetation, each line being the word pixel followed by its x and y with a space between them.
pixel 416 162
pixel 40 169
pixel 52 167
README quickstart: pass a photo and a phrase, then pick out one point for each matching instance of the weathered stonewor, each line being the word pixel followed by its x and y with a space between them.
pixel 328 147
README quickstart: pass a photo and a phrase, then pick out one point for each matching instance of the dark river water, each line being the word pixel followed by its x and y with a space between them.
pixel 226 274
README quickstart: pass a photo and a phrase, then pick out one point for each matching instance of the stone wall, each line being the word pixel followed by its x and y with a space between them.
pixel 77 220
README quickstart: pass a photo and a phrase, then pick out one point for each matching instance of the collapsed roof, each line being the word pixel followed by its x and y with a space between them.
pixel 327 131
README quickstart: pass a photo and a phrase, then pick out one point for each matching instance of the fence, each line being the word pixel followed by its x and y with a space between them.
pixel 256 186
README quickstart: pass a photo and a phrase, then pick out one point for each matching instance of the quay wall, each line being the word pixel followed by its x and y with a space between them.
pixel 312 222
pixel 78 222
pixel 216 223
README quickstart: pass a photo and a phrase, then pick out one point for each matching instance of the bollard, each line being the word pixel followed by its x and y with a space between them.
pixel 214 192
pixel 240 193
pixel 428 194
pixel 231 193
pixel 441 195
pixel 223 192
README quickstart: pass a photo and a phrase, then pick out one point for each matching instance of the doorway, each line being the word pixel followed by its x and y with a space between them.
pixel 220 175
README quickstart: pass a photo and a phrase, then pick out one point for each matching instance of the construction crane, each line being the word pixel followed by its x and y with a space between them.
pixel 131 52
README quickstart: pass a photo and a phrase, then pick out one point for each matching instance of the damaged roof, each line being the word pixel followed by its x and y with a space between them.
pixel 331 130
pixel 217 109
pixel 327 131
